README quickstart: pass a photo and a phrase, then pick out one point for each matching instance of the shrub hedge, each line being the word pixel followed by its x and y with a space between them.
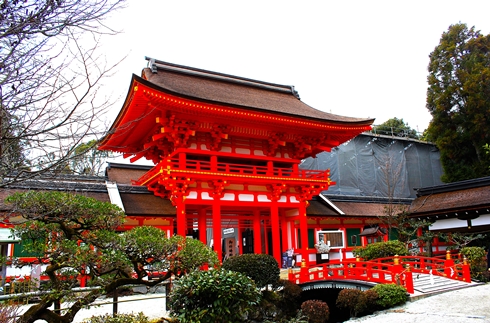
pixel 352 299
pixel 477 262
pixel 316 311
pixel 381 250
pixel 213 296
pixel 261 268
pixel 289 298
pixel 118 318
pixel 390 295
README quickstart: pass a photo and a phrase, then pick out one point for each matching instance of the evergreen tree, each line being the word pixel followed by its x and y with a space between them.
pixel 78 237
pixel 396 127
pixel 458 97
pixel 13 149
pixel 88 160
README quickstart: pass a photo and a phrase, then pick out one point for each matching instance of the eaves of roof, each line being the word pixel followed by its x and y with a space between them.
pixel 72 185
pixel 450 187
pixel 367 199
pixel 128 166
pixel 353 206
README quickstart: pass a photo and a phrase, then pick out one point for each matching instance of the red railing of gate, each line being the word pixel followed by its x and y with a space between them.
pixel 242 169
pixel 397 270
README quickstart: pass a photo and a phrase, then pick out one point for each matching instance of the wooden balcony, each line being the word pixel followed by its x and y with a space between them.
pixel 213 170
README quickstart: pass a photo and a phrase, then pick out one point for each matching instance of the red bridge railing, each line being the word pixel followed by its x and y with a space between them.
pixel 457 269
pixel 397 270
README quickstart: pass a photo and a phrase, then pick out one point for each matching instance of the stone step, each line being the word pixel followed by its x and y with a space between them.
pixel 429 284
pixel 431 288
pixel 441 283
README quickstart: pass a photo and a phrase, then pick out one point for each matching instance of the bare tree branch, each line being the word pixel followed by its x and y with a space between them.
pixel 50 80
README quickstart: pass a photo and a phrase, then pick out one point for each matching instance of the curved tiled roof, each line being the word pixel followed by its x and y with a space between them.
pixel 451 201
pixel 236 91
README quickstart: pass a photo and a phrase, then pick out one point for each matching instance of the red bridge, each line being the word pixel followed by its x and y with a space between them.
pixel 398 269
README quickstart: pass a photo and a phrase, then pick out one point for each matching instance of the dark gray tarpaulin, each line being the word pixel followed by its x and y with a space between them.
pixel 370 165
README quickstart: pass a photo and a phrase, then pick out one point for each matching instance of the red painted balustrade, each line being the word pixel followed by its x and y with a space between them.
pixel 452 267
pixel 174 164
pixel 397 270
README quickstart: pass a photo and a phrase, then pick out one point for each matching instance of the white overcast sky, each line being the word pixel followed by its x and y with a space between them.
pixel 353 58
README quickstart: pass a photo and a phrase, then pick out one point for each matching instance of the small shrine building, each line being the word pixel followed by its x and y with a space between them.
pixel 226 151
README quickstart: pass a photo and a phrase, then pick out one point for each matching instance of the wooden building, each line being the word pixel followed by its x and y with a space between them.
pixel 226 151
pixel 455 207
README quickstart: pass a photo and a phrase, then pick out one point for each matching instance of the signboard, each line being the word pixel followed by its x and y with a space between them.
pixel 333 238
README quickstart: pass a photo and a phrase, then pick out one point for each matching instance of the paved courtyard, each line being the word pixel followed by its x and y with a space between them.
pixel 152 305
pixel 467 305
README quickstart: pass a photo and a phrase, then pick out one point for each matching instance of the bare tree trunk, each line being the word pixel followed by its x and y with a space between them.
pixel 115 299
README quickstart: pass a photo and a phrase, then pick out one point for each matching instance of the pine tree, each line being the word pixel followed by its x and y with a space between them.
pixel 458 98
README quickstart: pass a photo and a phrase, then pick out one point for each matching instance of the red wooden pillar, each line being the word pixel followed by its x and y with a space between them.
pixel 284 233
pixel 466 271
pixel 449 265
pixel 386 237
pixel 294 234
pixel 363 241
pixel 217 228
pixel 214 163
pixel 240 239
pixel 181 217
pixel 201 222
pixel 270 168
pixel 257 235
pixel 396 270
pixel 303 227
pixel 276 242
pixel 295 169
pixel 409 281
pixel 182 160
pixel 265 248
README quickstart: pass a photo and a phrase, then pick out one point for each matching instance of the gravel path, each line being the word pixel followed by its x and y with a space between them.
pixel 152 305
pixel 467 305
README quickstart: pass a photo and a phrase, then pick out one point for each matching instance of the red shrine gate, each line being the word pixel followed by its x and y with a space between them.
pixel 227 151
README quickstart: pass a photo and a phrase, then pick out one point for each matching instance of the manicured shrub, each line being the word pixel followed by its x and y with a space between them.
pixel 390 295
pixel 119 318
pixel 371 300
pixel 381 250
pixel 476 260
pixel 267 308
pixel 316 311
pixel 352 299
pixel 358 302
pixel 280 304
pixel 261 268
pixel 289 298
pixel 213 296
